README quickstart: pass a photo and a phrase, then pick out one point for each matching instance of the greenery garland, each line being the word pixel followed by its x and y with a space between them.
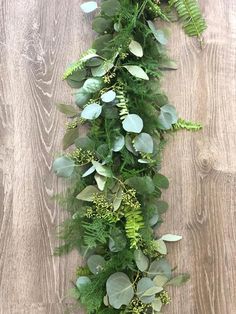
pixel 115 192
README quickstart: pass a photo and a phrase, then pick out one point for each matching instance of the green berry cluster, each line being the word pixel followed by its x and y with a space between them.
pixel 129 200
pixel 72 124
pixel 165 298
pixel 81 157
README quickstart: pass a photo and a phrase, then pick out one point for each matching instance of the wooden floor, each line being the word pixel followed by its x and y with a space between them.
pixel 38 39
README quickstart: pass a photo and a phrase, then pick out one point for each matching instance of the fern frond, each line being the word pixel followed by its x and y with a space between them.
pixel 78 65
pixel 187 125
pixel 134 222
pixel 122 104
pixel 188 10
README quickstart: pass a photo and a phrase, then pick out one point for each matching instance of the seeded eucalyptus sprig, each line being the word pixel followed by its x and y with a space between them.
pixel 115 199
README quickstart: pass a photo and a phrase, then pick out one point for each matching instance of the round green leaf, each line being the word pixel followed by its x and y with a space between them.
pixel 82 97
pixel 89 6
pixel 161 181
pixel 167 117
pixel 119 143
pixel 142 185
pixel 143 143
pixel 82 280
pixel 63 167
pixel 67 109
pixel 92 85
pixel 96 264
pixel 119 290
pixel 171 237
pixel 101 24
pixel 91 111
pixel 108 96
pixel 94 62
pixel 137 71
pixel 78 75
pixel 102 69
pixel 133 123
pixel 141 260
pixel 110 7
pixel 136 48
pixel 85 143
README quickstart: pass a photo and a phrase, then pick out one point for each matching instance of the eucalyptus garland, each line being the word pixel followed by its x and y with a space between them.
pixel 114 199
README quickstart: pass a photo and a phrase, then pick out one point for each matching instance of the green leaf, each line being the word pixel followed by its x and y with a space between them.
pixel 141 260
pixel 101 70
pixel 158 34
pixel 161 206
pixel 137 71
pixel 111 7
pixel 82 97
pixel 93 85
pixel 117 241
pixel 85 143
pixel 136 48
pixel 108 96
pixel 161 181
pixel 160 280
pixel 88 193
pixel 143 143
pixel 129 145
pixel 102 170
pixel 167 117
pixel 70 137
pixel 179 280
pixel 159 267
pixel 91 111
pixel 100 43
pixel 161 247
pixel 101 24
pixel 67 109
pixel 95 61
pixel 119 143
pixel 88 172
pixel 133 123
pixel 142 185
pixel 78 75
pixel 157 304
pixel 118 199
pixel 63 167
pixel 119 290
pixel 89 6
pixel 171 237
pixel 81 281
pixel 96 264
pixel 100 180
pixel 146 290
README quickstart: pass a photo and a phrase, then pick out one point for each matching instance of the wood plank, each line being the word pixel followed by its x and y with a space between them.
pixel 37 40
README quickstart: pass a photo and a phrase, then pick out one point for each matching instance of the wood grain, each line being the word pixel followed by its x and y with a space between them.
pixel 37 40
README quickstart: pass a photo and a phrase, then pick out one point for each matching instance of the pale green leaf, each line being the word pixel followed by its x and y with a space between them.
pixel 179 280
pixel 82 281
pixel 100 180
pixel 119 290
pixel 133 123
pixel 63 166
pixel 108 96
pixel 91 111
pixel 93 85
pixel 143 143
pixel 67 109
pixel 136 48
pixel 96 264
pixel 171 237
pixel 89 6
pixel 102 170
pixel 141 260
pixel 119 143
pixel 88 193
pixel 137 71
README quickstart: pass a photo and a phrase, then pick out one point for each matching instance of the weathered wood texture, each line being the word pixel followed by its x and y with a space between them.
pixel 37 40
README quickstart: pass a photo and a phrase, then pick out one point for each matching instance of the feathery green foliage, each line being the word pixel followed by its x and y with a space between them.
pixel 114 200
pixel 189 12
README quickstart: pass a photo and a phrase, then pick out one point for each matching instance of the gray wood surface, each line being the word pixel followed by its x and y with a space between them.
pixel 37 40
